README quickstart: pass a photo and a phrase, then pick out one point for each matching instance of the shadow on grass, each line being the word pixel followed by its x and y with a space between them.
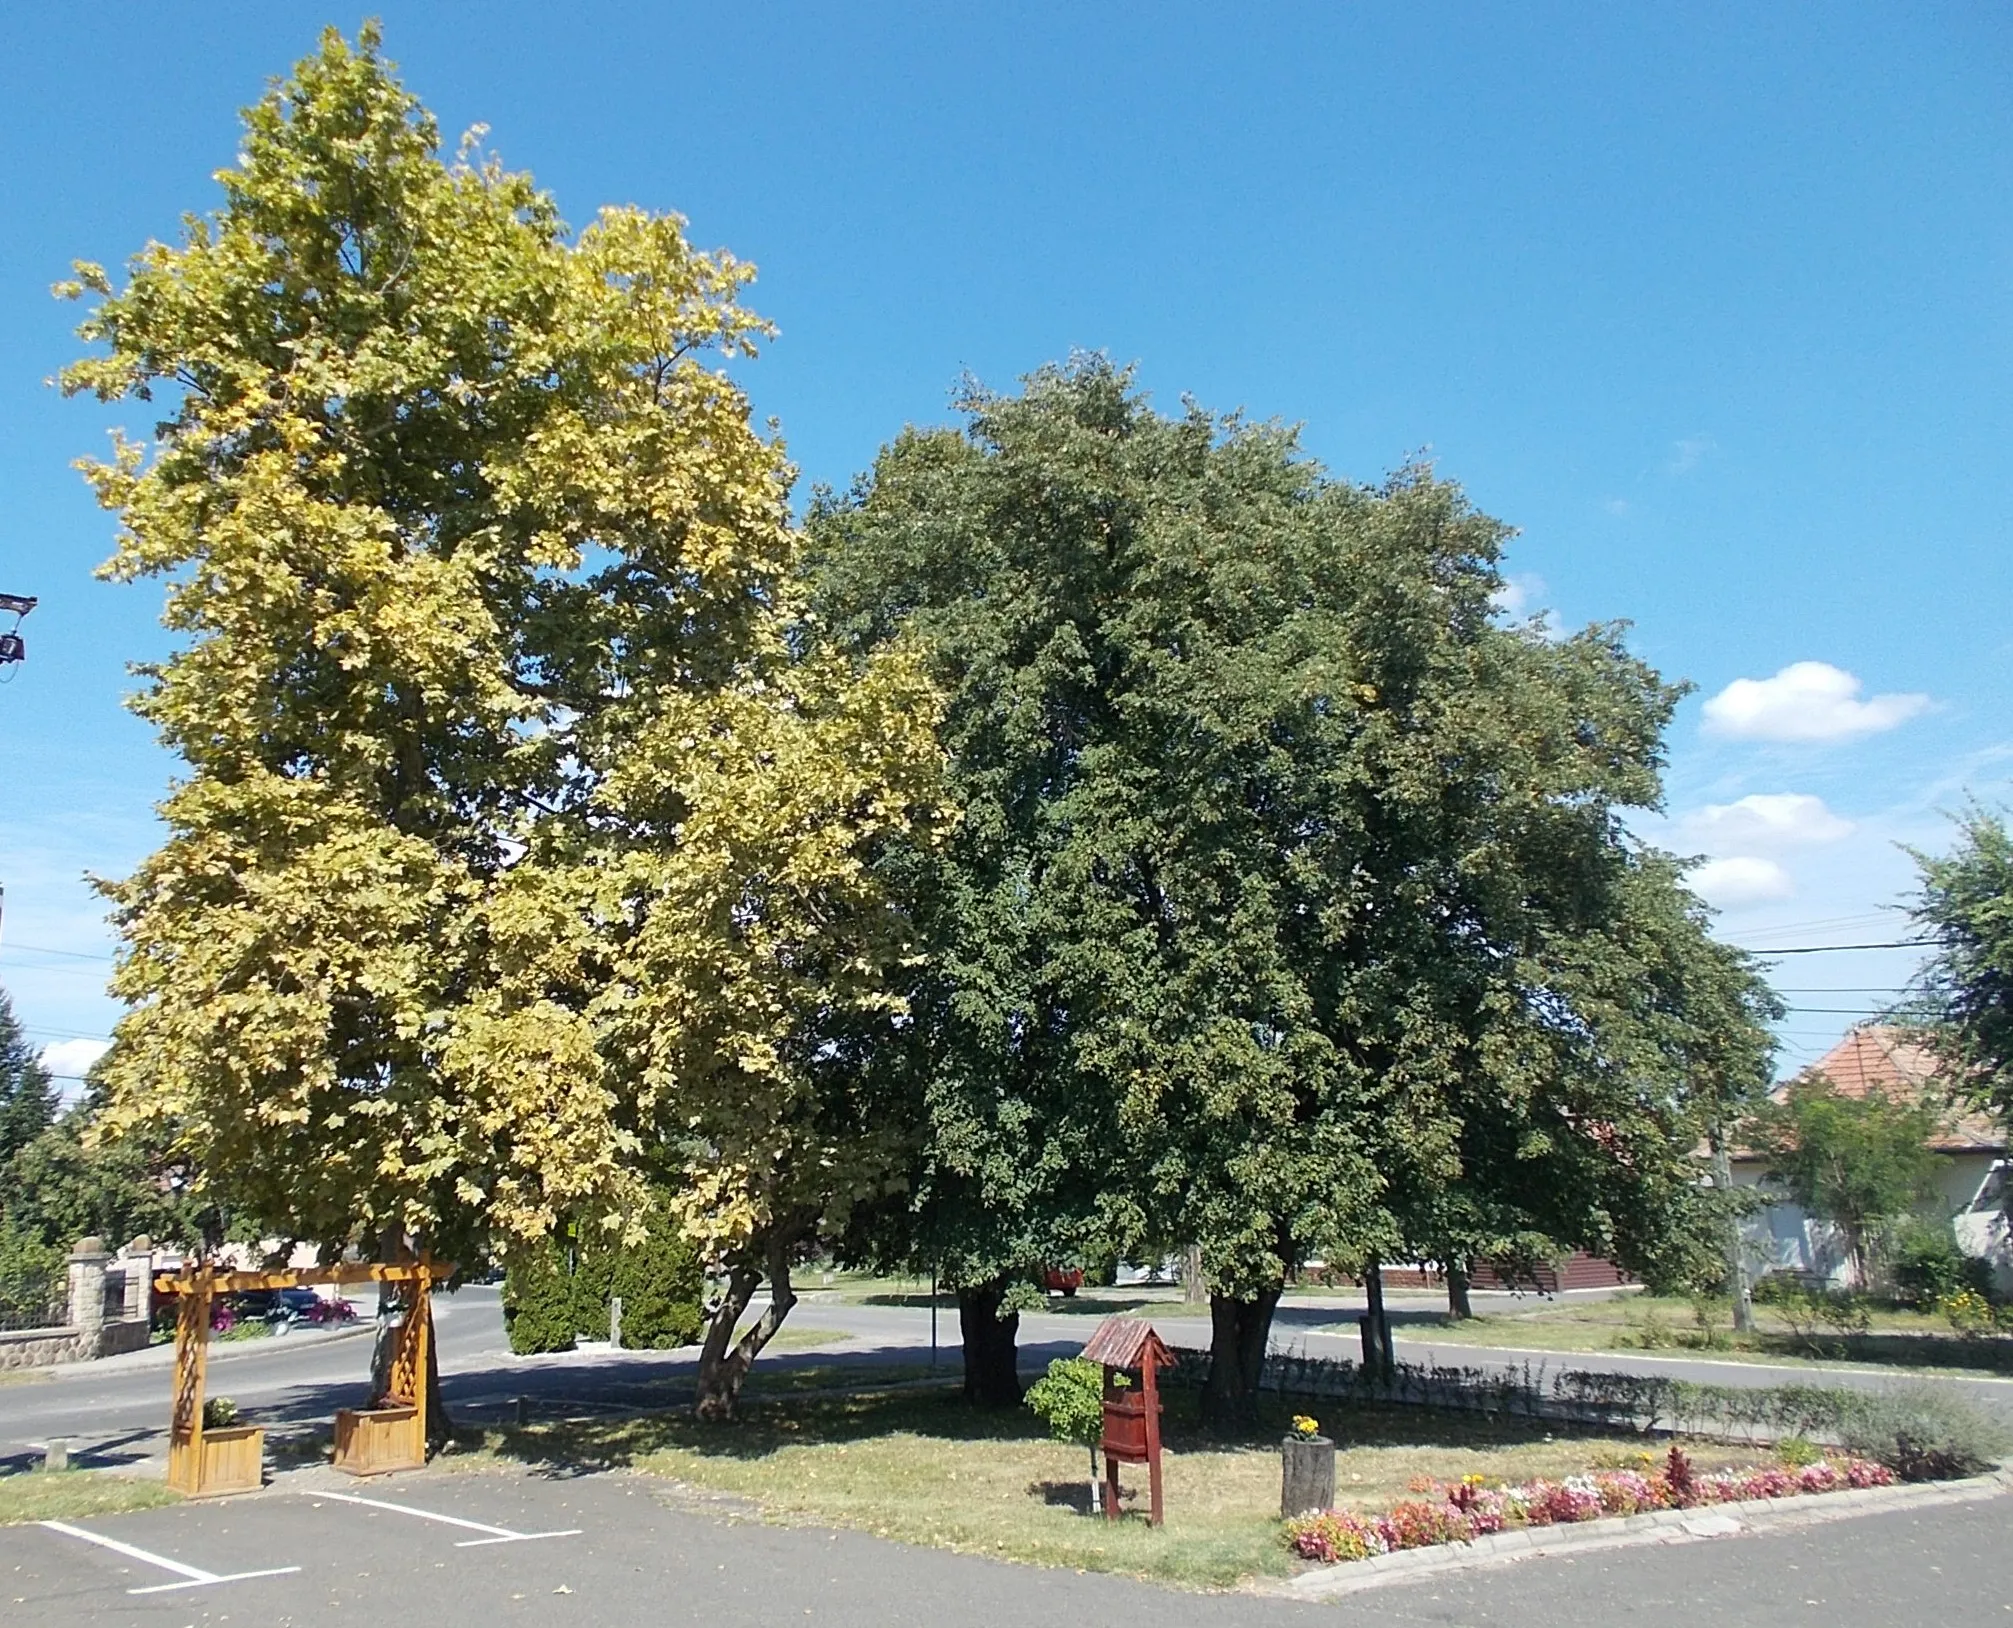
pixel 771 1424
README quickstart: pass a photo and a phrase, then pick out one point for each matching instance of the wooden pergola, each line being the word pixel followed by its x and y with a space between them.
pixel 368 1441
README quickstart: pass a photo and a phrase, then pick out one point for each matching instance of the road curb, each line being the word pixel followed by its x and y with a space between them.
pixel 1663 1526
pixel 163 1356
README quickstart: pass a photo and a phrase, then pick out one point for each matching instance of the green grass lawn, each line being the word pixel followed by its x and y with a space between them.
pixel 922 1467
pixel 1640 1322
pixel 45 1495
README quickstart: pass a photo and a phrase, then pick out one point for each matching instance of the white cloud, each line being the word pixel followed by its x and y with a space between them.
pixel 1782 819
pixel 1740 879
pixel 1806 701
pixel 1517 596
pixel 1689 453
pixel 71 1060
pixel 1520 598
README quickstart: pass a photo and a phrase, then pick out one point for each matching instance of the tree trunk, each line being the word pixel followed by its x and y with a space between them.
pixel 1379 1364
pixel 391 1250
pixel 724 1361
pixel 439 1424
pixel 1239 1331
pixel 1458 1306
pixel 1194 1286
pixel 992 1359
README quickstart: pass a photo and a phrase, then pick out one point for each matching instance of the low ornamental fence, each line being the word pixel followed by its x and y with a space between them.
pixel 34 1300
pixel 1641 1403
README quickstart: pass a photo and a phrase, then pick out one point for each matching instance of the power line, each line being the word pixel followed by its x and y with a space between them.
pixel 1844 989
pixel 44 949
pixel 1832 949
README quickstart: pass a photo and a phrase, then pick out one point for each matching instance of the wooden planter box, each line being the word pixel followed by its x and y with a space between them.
pixel 376 1441
pixel 231 1458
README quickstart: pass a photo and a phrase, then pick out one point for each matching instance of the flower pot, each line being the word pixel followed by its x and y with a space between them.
pixel 1306 1475
pixel 227 1458
pixel 376 1441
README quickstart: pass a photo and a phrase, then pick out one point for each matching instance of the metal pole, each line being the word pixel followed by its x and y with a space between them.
pixel 933 1319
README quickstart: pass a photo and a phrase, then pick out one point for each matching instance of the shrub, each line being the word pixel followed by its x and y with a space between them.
pixel 1923 1433
pixel 539 1313
pixel 662 1290
pixel 555 1296
pixel 33 1282
pixel 1968 1312
pixel 1069 1399
pixel 219 1413
pixel 1928 1267
pixel 593 1283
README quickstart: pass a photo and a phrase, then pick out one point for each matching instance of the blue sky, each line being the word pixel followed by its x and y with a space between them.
pixel 1710 302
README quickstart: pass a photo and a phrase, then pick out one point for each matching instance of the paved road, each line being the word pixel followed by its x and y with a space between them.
pixel 117 1409
pixel 640 1557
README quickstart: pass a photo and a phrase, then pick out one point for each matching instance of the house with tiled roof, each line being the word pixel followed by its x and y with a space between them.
pixel 1972 1175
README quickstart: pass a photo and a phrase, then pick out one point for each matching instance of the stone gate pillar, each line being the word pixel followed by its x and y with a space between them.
pixel 87 1293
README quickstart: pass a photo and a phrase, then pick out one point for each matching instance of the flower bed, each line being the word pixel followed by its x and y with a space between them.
pixel 1461 1511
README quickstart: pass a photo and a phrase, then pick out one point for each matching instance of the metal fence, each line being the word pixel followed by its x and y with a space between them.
pixel 34 1299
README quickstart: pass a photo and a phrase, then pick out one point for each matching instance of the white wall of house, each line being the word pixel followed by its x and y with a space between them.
pixel 1970 1193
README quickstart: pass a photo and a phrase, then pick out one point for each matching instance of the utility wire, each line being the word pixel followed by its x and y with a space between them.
pixel 1831 949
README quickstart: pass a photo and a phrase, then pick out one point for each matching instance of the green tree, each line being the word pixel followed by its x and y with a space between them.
pixel 1860 1163
pixel 27 1094
pixel 521 857
pixel 1964 1001
pixel 1289 914
pixel 1069 1399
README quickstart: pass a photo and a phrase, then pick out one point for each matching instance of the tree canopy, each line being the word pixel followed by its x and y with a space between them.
pixel 1965 994
pixel 1860 1162
pixel 522 855
pixel 1290 913
pixel 27 1093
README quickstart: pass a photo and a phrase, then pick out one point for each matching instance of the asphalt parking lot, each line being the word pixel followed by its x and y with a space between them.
pixel 472 1550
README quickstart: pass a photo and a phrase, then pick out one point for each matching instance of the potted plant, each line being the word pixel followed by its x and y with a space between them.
pixel 1306 1469
pixel 231 1456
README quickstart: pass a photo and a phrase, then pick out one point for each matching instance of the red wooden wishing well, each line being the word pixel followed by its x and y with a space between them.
pixel 1125 1346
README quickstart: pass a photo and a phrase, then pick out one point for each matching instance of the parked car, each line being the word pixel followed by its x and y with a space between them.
pixel 1062 1280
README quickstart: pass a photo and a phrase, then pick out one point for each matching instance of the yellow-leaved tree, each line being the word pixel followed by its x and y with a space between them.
pixel 523 860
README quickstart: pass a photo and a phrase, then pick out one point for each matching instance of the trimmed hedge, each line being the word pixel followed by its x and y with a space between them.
pixel 1920 1432
pixel 662 1289
pixel 538 1302
pixel 556 1296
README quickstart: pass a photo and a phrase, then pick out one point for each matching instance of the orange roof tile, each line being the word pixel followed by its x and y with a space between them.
pixel 1880 1057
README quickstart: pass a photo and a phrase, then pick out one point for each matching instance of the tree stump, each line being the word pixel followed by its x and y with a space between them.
pixel 1307 1475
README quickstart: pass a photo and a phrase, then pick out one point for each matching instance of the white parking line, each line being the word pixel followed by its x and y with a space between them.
pixel 497 1534
pixel 193 1576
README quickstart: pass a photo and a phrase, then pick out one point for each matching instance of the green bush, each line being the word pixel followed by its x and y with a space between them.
pixel 539 1308
pixel 33 1279
pixel 559 1295
pixel 593 1283
pixel 1924 1433
pixel 662 1288
pixel 1069 1399
pixel 1928 1267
